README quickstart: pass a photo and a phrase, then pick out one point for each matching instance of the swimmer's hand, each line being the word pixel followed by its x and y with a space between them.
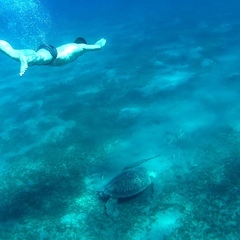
pixel 101 43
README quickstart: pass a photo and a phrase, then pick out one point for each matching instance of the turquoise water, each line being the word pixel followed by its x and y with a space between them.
pixel 167 82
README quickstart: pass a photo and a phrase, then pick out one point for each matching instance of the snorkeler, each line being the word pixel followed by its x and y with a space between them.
pixel 48 55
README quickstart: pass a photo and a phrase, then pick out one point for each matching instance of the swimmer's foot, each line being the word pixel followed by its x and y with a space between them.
pixel 101 43
pixel 23 64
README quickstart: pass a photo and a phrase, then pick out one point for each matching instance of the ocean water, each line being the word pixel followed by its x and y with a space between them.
pixel 166 83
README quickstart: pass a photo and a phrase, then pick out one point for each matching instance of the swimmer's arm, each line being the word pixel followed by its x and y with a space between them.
pixel 98 45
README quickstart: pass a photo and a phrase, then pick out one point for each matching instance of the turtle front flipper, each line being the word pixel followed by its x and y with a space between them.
pixel 111 207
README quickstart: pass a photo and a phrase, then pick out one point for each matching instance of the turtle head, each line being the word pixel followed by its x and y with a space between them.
pixel 152 174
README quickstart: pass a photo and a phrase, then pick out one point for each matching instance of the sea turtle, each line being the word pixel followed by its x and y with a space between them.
pixel 126 184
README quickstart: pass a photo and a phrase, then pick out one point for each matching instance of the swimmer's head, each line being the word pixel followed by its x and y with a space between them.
pixel 80 40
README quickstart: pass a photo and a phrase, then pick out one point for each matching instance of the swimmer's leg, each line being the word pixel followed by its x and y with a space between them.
pixel 24 56
pixel 23 64
pixel 7 49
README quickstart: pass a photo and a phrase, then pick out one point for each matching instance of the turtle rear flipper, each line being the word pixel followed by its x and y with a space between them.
pixel 111 207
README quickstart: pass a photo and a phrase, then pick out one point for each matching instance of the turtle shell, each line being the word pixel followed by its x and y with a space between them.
pixel 127 183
